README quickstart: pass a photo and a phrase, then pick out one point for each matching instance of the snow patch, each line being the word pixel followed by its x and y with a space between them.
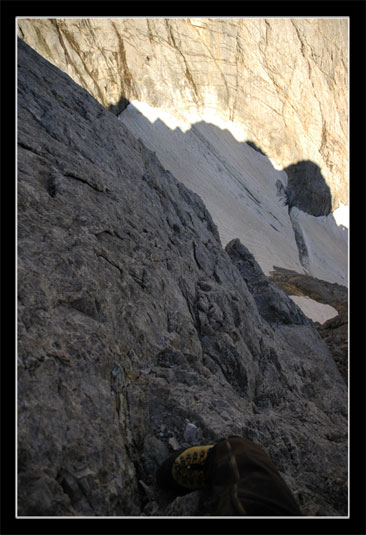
pixel 341 215
pixel 314 310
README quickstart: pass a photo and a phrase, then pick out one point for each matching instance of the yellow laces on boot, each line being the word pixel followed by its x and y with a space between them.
pixel 188 467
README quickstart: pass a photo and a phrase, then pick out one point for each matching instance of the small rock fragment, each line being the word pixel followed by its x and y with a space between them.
pixel 191 432
pixel 174 443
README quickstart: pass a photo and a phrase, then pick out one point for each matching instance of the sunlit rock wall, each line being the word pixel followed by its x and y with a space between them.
pixel 285 81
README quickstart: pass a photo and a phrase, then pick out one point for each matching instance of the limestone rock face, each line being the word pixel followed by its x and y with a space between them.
pixel 284 80
pixel 135 325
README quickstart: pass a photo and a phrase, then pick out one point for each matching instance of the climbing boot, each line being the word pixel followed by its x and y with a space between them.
pixel 184 471
pixel 244 481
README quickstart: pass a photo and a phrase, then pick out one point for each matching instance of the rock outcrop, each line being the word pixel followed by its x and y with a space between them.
pixel 284 80
pixel 138 333
pixel 335 330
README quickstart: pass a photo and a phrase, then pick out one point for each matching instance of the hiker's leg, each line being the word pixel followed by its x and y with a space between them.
pixel 244 481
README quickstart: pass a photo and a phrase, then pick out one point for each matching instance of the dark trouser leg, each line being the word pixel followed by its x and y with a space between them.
pixel 244 481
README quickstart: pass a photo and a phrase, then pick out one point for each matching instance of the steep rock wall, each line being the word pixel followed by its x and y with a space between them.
pixel 285 81
pixel 134 324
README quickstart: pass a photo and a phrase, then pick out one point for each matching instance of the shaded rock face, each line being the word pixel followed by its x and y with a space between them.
pixel 335 330
pixel 269 299
pixel 139 334
pixel 285 80
pixel 307 189
pixel 335 333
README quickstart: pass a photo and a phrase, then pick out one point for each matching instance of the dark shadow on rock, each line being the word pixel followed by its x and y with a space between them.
pixel 270 301
pixel 121 105
pixel 307 189
pixel 254 146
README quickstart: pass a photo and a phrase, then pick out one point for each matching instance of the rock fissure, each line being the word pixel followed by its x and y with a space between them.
pixel 93 185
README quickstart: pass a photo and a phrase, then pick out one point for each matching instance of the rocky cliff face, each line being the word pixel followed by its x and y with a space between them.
pixel 285 81
pixel 138 333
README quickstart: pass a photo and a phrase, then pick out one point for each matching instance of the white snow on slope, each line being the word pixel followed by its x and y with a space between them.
pixel 314 310
pixel 239 186
pixel 341 215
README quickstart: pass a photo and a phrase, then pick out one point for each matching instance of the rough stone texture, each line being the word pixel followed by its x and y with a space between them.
pixel 335 330
pixel 134 323
pixel 284 80
pixel 335 333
